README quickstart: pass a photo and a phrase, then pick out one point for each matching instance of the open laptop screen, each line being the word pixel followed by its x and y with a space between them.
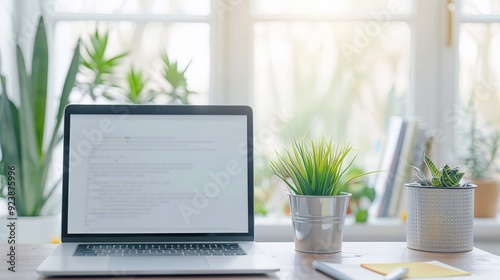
pixel 160 173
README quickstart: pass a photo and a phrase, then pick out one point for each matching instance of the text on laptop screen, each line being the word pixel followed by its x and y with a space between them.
pixel 157 174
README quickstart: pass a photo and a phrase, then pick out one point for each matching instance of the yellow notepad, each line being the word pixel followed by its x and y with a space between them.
pixel 416 269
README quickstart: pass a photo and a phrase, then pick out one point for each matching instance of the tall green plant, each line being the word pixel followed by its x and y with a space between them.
pixel 25 140
pixel 315 169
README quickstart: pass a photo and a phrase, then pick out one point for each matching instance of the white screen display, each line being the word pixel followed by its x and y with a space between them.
pixel 157 174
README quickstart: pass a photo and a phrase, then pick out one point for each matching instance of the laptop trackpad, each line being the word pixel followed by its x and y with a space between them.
pixel 158 263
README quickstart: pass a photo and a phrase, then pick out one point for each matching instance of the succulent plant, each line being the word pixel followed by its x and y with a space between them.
pixel 444 177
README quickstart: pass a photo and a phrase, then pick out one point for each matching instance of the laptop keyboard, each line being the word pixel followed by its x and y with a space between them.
pixel 156 249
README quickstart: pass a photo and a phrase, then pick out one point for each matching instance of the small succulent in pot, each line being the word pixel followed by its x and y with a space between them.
pixel 440 211
pixel 444 177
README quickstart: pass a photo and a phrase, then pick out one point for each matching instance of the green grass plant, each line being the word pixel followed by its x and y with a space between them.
pixel 315 168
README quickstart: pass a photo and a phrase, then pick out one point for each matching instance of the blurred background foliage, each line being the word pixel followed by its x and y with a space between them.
pixel 100 76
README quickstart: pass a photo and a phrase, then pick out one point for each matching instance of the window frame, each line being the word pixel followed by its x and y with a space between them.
pixel 434 65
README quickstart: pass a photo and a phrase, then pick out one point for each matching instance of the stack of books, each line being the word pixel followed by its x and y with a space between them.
pixel 405 146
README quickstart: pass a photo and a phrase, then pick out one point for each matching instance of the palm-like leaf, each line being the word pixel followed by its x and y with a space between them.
pixel 136 92
pixel 39 82
pixel 177 80
pixel 99 68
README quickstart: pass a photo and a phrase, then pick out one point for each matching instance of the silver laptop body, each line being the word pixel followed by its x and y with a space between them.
pixel 143 182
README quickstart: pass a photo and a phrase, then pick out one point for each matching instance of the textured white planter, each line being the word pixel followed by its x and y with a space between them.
pixel 440 219
pixel 318 222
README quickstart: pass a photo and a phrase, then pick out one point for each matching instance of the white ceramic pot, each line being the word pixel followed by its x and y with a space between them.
pixel 440 219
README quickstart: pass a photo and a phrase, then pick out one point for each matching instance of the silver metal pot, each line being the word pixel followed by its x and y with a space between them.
pixel 318 222
pixel 440 219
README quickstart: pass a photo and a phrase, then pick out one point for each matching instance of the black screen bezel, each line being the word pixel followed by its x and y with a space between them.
pixel 157 110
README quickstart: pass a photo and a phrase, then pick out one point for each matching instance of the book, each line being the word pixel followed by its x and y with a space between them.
pixel 389 162
pixel 403 170
pixel 417 160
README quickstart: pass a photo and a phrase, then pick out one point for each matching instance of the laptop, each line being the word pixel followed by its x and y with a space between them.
pixel 157 190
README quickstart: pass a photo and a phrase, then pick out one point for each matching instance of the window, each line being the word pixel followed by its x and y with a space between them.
pixel 330 69
pixel 145 30
pixel 479 59
pixel 337 68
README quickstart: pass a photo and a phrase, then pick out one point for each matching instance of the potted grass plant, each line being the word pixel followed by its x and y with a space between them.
pixel 440 210
pixel 313 172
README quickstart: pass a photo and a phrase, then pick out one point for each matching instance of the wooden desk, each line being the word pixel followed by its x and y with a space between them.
pixel 294 265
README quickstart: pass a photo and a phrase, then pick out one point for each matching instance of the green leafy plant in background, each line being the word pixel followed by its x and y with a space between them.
pixel 101 76
pixel 99 70
pixel 26 141
pixel 177 79
pixel 444 177
pixel 316 169
pixel 261 196
pixel 362 194
pixel 136 91
pixel 478 146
